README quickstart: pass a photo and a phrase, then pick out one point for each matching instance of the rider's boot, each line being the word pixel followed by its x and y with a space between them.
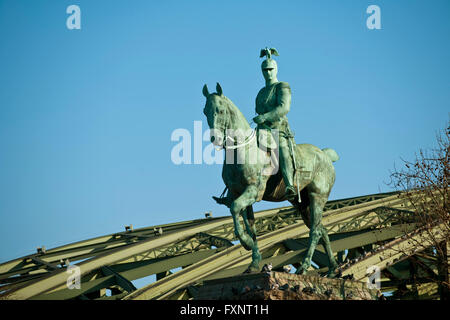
pixel 223 200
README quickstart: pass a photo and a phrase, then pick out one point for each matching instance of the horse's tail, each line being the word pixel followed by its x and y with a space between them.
pixel 331 154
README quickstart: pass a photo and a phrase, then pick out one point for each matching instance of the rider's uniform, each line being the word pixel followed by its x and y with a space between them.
pixel 274 103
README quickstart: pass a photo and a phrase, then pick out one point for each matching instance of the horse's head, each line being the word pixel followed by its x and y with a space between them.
pixel 217 113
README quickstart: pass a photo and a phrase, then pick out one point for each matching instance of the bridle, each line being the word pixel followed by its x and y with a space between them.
pixel 247 140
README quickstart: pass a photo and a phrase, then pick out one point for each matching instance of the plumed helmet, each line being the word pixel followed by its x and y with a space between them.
pixel 269 62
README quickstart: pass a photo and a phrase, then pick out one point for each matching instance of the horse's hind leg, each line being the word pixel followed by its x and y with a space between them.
pixel 317 202
pixel 326 243
pixel 303 207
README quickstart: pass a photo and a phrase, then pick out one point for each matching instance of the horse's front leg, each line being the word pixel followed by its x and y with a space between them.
pixel 249 221
pixel 247 239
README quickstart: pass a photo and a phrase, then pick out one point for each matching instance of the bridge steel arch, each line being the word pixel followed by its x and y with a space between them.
pixel 372 230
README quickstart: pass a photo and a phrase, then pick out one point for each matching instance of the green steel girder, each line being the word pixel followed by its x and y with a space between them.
pixel 145 268
pixel 401 271
pixel 342 203
pixel 266 221
pixel 291 257
pixel 319 256
pixel 123 275
pixel 389 216
pixel 236 255
pixel 121 280
pixel 95 246
pixel 297 247
pixel 396 250
pixel 86 288
pixel 379 217
pixel 210 240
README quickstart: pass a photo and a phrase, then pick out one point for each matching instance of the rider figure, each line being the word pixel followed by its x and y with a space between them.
pixel 272 104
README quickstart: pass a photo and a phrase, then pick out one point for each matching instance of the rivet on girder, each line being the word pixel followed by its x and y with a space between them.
pixel 64 263
pixel 41 250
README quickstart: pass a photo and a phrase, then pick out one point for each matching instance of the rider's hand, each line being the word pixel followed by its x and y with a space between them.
pixel 259 119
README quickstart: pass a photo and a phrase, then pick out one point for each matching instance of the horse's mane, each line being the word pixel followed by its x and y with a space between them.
pixel 231 107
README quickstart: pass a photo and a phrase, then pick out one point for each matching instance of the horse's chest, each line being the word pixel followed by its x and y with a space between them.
pixel 238 178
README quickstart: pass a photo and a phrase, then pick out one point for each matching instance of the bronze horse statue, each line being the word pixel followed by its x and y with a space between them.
pixel 248 181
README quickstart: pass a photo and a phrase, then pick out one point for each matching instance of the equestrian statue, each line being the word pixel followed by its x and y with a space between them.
pixel 306 177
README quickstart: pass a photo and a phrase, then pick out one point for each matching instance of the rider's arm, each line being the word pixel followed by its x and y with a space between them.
pixel 283 103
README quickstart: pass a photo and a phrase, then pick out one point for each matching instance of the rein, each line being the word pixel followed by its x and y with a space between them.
pixel 237 146
pixel 246 141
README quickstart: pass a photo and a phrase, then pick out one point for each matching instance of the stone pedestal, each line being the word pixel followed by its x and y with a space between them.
pixel 284 286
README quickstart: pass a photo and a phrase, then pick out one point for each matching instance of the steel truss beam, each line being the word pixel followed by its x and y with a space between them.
pixel 134 254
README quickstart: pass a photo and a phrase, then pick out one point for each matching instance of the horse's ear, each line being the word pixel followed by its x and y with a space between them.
pixel 205 91
pixel 219 89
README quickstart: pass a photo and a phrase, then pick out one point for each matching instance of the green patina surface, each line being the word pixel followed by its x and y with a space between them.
pixel 306 173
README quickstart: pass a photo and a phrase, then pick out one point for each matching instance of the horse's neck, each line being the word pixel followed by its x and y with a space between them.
pixel 239 131
pixel 237 119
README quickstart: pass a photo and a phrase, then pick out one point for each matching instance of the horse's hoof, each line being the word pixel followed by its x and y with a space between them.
pixel 250 270
pixel 332 272
pixel 301 270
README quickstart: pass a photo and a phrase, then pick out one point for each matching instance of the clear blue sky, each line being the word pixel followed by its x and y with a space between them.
pixel 86 115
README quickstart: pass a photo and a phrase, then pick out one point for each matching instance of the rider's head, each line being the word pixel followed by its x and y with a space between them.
pixel 269 69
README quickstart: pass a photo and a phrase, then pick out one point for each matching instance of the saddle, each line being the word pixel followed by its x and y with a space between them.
pixel 302 169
